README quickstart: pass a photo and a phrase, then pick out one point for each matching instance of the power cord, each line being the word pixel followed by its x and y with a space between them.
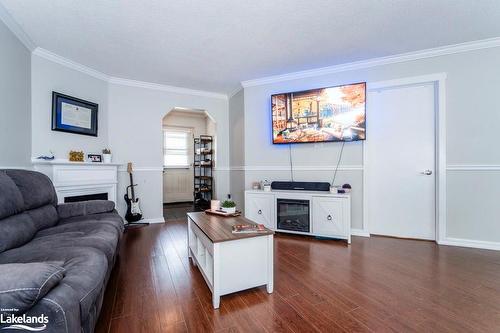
pixel 291 163
pixel 338 163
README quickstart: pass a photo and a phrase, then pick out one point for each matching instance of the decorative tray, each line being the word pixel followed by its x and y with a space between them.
pixel 221 213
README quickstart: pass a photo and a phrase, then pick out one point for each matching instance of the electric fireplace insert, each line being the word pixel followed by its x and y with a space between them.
pixel 293 215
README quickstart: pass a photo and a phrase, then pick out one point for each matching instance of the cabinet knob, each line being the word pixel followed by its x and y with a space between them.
pixel 329 217
pixel 260 212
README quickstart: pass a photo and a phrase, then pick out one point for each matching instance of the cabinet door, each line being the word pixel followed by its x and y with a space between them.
pixel 328 216
pixel 260 209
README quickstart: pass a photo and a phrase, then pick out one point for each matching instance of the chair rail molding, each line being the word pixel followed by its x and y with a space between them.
pixel 473 167
pixel 296 168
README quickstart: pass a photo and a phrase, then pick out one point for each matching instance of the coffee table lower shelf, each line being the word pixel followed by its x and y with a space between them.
pixel 232 265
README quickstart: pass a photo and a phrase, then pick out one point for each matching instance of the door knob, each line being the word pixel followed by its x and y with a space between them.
pixel 427 172
pixel 260 212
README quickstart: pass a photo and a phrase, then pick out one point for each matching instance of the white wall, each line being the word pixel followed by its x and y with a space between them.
pixel 237 147
pixel 130 123
pixel 46 77
pixel 135 135
pixel 473 124
pixel 15 124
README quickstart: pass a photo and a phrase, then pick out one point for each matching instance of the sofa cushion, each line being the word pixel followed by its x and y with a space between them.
pixel 110 218
pixel 85 269
pixel 44 217
pixel 101 236
pixel 83 208
pixel 22 285
pixel 36 188
pixel 16 230
pixel 11 199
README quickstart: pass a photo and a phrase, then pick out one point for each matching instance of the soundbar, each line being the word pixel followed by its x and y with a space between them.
pixel 301 186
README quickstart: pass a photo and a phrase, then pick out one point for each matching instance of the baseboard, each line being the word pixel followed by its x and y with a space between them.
pixel 360 232
pixel 154 220
pixel 486 245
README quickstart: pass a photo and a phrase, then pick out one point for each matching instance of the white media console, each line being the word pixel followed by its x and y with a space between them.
pixel 301 212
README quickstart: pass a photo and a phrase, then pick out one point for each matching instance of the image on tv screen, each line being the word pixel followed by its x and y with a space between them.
pixel 319 115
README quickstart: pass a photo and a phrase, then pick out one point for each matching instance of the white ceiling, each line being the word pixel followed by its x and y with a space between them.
pixel 213 45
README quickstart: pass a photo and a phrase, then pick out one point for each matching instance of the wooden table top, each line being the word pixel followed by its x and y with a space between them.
pixel 219 228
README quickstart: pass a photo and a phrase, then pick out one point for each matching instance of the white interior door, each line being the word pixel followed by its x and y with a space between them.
pixel 400 162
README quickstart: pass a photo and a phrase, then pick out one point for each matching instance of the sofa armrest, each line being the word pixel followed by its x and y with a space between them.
pixel 22 285
pixel 62 309
pixel 80 208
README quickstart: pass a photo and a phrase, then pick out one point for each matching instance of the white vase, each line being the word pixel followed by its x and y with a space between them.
pixel 230 210
pixel 107 158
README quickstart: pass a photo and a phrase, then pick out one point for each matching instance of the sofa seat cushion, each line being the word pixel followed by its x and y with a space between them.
pixel 101 236
pixel 85 269
pixel 23 285
pixel 111 218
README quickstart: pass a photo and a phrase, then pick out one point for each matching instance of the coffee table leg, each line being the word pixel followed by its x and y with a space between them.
pixel 216 301
pixel 216 280
pixel 270 265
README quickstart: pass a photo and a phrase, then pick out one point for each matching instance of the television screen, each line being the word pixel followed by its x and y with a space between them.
pixel 320 115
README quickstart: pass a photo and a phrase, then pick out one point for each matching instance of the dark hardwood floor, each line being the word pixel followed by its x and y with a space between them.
pixel 377 284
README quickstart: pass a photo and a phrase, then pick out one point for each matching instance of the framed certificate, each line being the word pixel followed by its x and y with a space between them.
pixel 73 115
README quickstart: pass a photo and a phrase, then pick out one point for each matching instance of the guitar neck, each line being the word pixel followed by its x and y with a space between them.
pixel 132 192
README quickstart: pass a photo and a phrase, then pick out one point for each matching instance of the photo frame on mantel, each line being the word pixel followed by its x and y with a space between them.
pixel 73 115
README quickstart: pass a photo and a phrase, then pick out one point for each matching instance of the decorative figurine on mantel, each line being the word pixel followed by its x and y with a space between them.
pixel 46 157
pixel 76 156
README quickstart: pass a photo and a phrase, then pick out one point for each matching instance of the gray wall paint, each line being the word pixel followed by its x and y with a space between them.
pixel 15 124
pixel 472 123
pixel 237 147
pixel 48 76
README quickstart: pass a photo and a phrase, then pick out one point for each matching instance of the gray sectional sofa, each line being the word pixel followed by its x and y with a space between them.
pixel 55 260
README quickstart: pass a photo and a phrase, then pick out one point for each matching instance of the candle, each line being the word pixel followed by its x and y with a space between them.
pixel 215 205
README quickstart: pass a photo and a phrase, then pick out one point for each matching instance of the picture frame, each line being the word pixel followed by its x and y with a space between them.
pixel 74 115
pixel 94 158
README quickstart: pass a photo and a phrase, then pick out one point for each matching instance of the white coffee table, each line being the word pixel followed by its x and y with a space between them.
pixel 229 262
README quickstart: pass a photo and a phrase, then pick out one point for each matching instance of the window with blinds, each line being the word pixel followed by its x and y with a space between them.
pixel 176 147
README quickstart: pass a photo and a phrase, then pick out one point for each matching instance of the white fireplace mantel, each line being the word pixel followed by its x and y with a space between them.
pixel 80 178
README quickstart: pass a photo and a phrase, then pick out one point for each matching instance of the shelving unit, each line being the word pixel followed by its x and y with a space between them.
pixel 203 171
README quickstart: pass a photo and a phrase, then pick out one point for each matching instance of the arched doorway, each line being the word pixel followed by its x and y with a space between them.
pixel 182 181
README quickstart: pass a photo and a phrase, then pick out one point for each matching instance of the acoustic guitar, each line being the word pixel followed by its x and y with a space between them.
pixel 134 212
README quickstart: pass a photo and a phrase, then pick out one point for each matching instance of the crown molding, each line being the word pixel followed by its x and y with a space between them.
pixel 16 29
pixel 234 92
pixel 162 87
pixel 46 54
pixel 394 59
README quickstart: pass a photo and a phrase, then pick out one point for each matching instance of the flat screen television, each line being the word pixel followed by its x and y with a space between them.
pixel 320 115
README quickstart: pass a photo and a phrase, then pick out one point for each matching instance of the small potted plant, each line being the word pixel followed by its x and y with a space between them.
pixel 228 206
pixel 106 154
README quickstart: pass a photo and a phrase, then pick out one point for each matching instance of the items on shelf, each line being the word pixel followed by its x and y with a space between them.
pixel 76 156
pixel 203 172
